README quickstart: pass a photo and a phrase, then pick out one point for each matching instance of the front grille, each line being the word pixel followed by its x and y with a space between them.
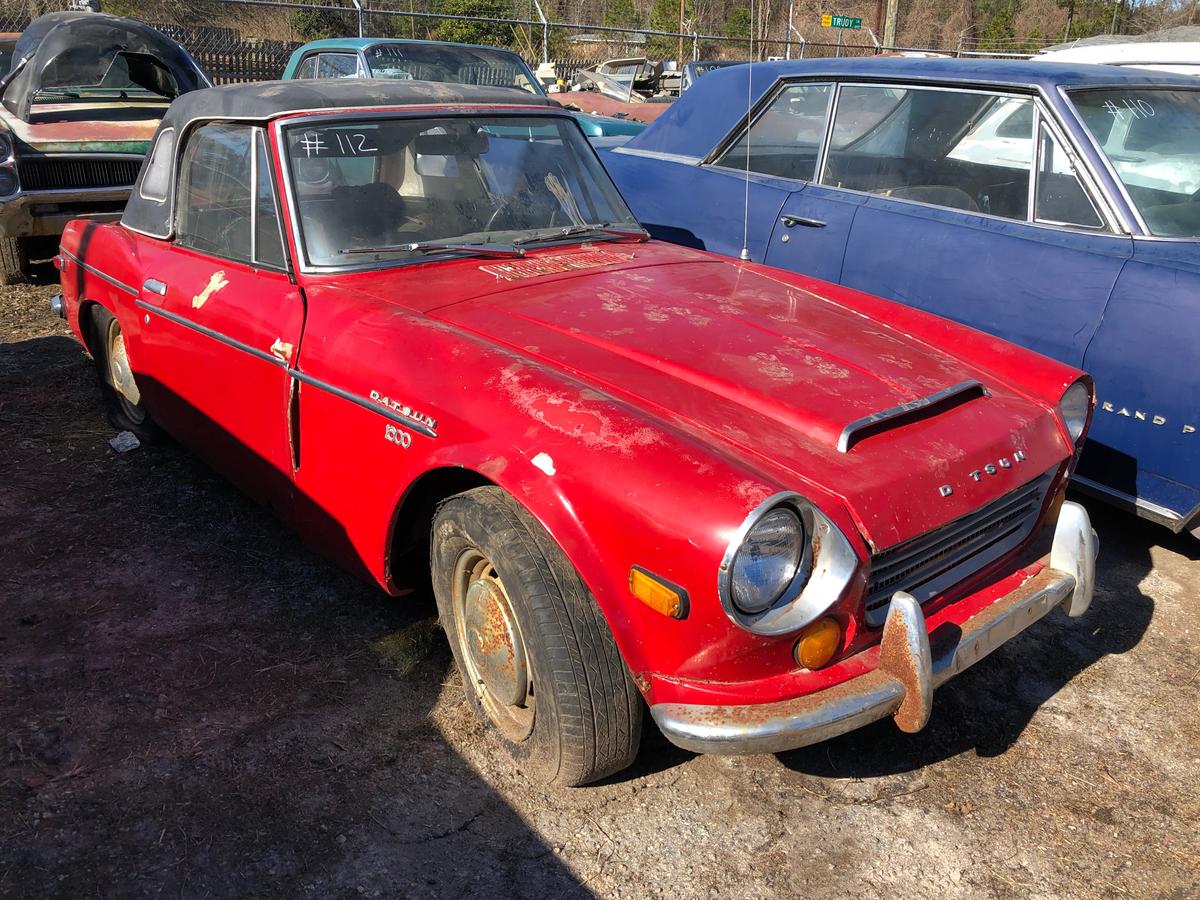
pixel 51 174
pixel 929 564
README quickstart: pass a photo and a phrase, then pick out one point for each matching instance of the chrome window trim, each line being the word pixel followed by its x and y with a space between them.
pixel 681 158
pixel 260 137
pixel 1082 174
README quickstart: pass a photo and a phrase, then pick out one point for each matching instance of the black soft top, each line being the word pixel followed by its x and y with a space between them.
pixel 265 100
pixel 87 43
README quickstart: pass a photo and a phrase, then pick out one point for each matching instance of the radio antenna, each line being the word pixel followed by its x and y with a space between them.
pixel 745 254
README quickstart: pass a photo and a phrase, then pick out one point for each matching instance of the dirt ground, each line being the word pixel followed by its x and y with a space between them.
pixel 193 705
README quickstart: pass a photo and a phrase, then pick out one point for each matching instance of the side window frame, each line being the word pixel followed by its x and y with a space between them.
pixel 745 123
pixel 353 54
pixel 257 136
pixel 169 162
pixel 1040 114
pixel 1086 182
pixel 258 140
pixel 315 59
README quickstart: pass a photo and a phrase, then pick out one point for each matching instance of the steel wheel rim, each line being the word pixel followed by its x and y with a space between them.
pixel 120 375
pixel 493 647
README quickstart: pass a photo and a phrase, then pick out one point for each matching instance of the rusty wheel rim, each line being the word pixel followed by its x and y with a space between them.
pixel 120 374
pixel 493 648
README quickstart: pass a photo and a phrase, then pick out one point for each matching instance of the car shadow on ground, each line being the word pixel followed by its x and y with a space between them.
pixel 986 708
pixel 195 705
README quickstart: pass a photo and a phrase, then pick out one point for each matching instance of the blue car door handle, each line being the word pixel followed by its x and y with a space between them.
pixel 789 220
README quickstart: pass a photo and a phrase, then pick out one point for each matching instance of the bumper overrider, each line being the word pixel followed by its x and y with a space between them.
pixel 908 672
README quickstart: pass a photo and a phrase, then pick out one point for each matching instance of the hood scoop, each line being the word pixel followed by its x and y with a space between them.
pixel 922 408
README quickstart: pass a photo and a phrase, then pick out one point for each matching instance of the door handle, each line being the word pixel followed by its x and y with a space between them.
pixel 789 220
pixel 154 286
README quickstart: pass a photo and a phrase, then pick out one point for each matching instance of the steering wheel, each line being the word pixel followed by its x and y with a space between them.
pixel 505 205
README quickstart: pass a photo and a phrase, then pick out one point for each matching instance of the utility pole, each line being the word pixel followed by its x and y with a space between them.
pixel 679 55
pixel 788 46
pixel 889 24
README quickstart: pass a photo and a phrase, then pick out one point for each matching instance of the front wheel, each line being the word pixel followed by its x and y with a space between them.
pixel 536 656
pixel 14 260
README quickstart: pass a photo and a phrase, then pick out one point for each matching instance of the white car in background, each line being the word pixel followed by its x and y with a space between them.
pixel 1148 139
pixel 1180 57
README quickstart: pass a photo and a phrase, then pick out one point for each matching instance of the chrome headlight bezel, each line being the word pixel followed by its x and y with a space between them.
pixel 7 147
pixel 1075 409
pixel 826 568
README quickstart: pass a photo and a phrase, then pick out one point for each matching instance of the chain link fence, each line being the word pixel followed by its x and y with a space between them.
pixel 258 49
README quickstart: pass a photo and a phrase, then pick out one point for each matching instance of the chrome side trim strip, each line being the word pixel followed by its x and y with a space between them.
pixel 658 154
pixel 411 424
pixel 845 440
pixel 208 332
pixel 1144 509
pixel 114 282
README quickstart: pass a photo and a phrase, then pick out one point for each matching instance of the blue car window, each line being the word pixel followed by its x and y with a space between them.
pixel 786 138
pixel 940 147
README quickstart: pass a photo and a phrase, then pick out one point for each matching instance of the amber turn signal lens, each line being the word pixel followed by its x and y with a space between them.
pixel 818 642
pixel 658 593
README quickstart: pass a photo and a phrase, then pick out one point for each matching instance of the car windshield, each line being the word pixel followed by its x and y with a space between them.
pixel 1152 139
pixel 369 190
pixel 456 65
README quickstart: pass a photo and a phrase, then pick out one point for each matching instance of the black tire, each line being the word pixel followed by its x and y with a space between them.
pixel 14 260
pixel 122 413
pixel 582 718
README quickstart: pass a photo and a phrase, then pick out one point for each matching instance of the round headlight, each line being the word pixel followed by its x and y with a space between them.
pixel 767 561
pixel 6 147
pixel 8 181
pixel 1074 406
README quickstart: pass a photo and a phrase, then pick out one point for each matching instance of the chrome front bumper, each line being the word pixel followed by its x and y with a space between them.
pixel 903 684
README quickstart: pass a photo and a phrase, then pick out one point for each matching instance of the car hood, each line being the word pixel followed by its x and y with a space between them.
pixel 109 127
pixel 770 373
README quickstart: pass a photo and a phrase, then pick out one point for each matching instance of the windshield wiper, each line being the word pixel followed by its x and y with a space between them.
pixel 499 250
pixel 637 234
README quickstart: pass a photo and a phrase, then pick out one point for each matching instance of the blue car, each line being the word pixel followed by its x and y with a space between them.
pixel 434 61
pixel 1056 206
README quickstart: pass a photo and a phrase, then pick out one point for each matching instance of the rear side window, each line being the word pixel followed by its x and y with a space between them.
pixel 785 139
pixel 156 183
pixel 338 65
pixel 970 151
pixel 308 68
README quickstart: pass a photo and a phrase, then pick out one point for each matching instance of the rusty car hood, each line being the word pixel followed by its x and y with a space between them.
pixel 103 127
pixel 766 371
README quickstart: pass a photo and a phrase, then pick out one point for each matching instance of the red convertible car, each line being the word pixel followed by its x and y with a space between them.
pixel 419 321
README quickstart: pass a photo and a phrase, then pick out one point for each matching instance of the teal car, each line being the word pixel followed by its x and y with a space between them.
pixel 434 61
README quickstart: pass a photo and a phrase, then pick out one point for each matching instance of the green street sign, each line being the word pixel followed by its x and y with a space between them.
pixel 831 21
